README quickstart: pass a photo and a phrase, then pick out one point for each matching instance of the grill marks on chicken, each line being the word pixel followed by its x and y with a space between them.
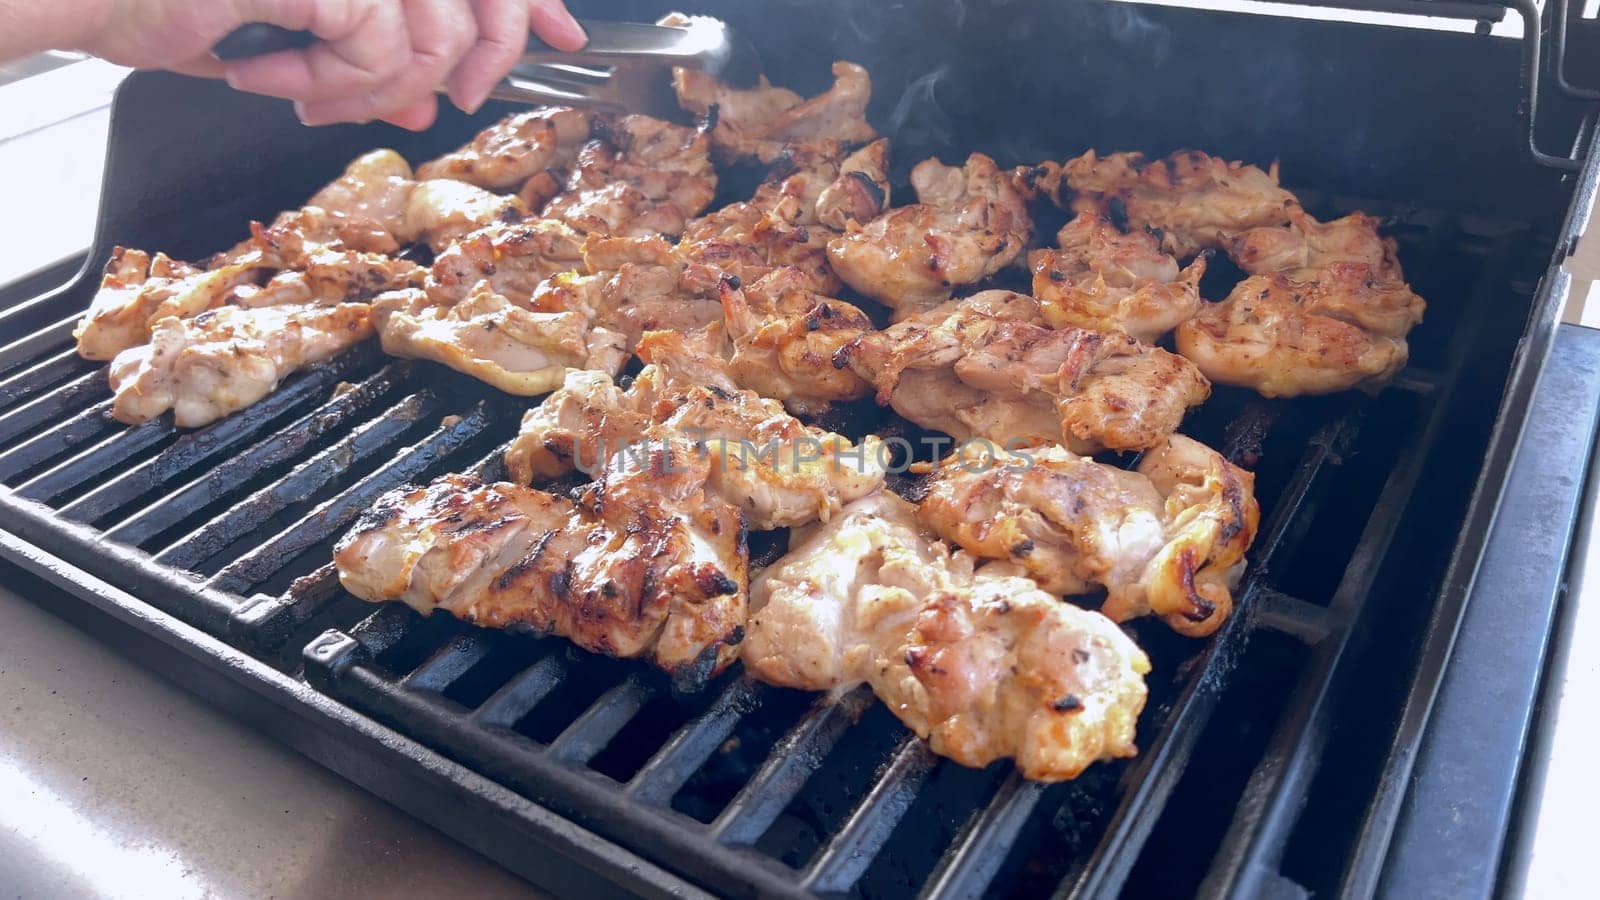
pixel 223 360
pixel 784 339
pixel 640 177
pixel 489 337
pixel 813 191
pixel 968 224
pixel 1192 199
pixel 983 664
pixel 1168 538
pixel 779 471
pixel 644 563
pixel 1104 279
pixel 987 367
pixel 138 289
pixel 1327 310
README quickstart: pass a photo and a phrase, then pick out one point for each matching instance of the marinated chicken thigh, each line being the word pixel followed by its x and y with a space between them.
pixel 485 335
pixel 813 191
pixel 514 258
pixel 1103 279
pixel 1168 538
pixel 1328 310
pixel 784 338
pixel 983 664
pixel 759 122
pixel 643 564
pixel 1191 199
pixel 640 178
pixel 986 367
pixel 504 156
pixel 138 289
pixel 968 224
pixel 779 471
pixel 223 360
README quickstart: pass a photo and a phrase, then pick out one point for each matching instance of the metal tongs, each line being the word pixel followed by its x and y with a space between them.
pixel 625 67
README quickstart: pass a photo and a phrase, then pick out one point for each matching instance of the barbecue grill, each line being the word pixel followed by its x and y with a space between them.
pixel 1408 567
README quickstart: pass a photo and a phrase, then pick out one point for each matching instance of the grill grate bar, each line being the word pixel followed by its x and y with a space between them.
pixel 386 627
pixel 799 753
pixel 973 860
pixel 334 665
pixel 848 854
pixel 1280 781
pixel 46 374
pixel 320 524
pixel 493 466
pixel 217 483
pixel 449 662
pixel 299 484
pixel 688 749
pixel 1275 793
pixel 56 441
pixel 196 448
pixel 95 462
pixel 1156 772
pixel 522 693
pixel 590 732
pixel 25 350
pixel 1304 621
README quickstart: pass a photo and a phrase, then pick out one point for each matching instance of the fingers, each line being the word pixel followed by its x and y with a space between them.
pixel 502 37
pixel 383 59
pixel 440 32
pixel 555 26
pixel 363 43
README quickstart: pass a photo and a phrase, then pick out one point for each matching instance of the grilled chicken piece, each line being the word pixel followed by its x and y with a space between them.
pixel 1193 200
pixel 513 258
pixel 1169 538
pixel 636 285
pixel 860 192
pixel 785 337
pixel 363 209
pixel 643 564
pixel 139 289
pixel 297 260
pixel 1104 280
pixel 812 192
pixel 1310 331
pixel 643 177
pixel 779 471
pixel 987 367
pixel 444 211
pixel 984 665
pixel 505 155
pixel 223 360
pixel 485 335
pixel 968 224
pixel 1305 243
pixel 759 122
pixel 376 190
pixel 1328 309
pixel 699 356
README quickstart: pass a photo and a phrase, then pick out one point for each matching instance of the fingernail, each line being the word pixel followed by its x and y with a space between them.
pixel 300 113
pixel 580 38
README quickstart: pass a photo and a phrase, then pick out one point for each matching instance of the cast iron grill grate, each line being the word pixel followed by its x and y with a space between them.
pixel 746 788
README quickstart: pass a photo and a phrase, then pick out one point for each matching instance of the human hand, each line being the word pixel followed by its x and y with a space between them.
pixel 375 59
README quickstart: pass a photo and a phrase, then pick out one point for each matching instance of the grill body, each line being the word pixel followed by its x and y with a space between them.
pixel 1267 752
